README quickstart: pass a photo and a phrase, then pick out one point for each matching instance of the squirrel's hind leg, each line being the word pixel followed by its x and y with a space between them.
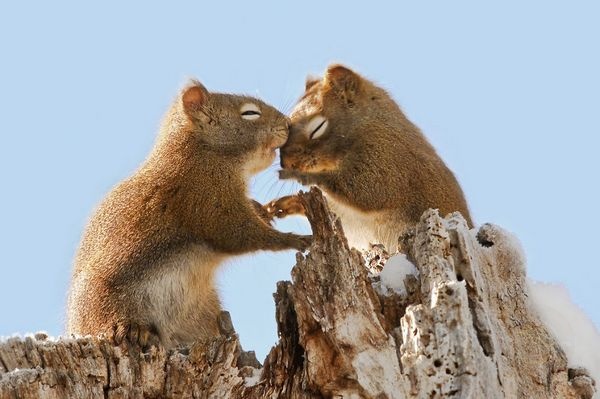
pixel 141 335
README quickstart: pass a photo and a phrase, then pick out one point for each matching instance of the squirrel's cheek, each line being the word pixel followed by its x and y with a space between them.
pixel 276 140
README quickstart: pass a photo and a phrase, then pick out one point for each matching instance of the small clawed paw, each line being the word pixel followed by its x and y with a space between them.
pixel 285 206
pixel 141 335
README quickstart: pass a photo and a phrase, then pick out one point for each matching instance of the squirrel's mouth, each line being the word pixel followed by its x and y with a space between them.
pixel 307 163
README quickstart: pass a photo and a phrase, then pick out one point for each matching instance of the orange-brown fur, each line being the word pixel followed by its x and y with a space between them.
pixel 147 259
pixel 377 168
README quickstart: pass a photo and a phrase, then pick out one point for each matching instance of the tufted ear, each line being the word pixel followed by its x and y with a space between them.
pixel 311 81
pixel 343 81
pixel 194 98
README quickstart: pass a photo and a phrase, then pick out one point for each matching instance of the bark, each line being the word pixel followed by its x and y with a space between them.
pixel 463 330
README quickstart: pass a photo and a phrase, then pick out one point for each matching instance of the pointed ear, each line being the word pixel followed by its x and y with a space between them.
pixel 311 81
pixel 343 81
pixel 194 98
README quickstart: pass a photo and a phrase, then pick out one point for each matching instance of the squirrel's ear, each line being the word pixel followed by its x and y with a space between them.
pixel 311 81
pixel 194 98
pixel 343 81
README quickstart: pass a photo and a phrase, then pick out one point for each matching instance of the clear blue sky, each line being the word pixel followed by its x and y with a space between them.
pixel 509 94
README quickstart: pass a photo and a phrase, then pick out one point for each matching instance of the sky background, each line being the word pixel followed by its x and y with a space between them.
pixel 509 94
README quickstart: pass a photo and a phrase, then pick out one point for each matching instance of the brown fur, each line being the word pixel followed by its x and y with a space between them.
pixel 376 166
pixel 147 259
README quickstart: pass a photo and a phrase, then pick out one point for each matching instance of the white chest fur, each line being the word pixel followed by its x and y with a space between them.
pixel 364 228
pixel 181 290
pixel 359 227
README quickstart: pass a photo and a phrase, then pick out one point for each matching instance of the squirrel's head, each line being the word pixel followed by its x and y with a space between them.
pixel 327 122
pixel 242 128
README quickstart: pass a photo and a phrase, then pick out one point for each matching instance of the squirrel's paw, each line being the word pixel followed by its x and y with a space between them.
pixel 142 335
pixel 285 206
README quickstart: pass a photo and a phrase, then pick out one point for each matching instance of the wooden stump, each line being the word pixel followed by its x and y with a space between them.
pixel 463 329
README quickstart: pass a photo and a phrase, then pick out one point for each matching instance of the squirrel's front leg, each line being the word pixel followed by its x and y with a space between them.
pixel 262 237
pixel 248 232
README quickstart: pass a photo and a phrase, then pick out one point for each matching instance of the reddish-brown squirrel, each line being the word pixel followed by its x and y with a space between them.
pixel 377 169
pixel 145 268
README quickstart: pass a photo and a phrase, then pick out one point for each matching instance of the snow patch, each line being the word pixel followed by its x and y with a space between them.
pixel 512 241
pixel 394 272
pixel 571 327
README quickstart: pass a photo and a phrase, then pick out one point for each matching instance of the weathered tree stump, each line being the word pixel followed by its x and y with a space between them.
pixel 464 329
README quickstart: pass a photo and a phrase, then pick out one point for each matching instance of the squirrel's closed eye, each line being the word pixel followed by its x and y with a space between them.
pixel 250 111
pixel 316 127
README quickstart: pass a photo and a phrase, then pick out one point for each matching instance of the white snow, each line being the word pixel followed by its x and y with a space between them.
pixel 395 271
pixel 572 328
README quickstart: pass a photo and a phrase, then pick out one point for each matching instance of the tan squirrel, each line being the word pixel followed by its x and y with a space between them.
pixel 146 264
pixel 377 169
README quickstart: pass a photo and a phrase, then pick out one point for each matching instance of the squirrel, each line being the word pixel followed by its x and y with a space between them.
pixel 376 168
pixel 145 267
